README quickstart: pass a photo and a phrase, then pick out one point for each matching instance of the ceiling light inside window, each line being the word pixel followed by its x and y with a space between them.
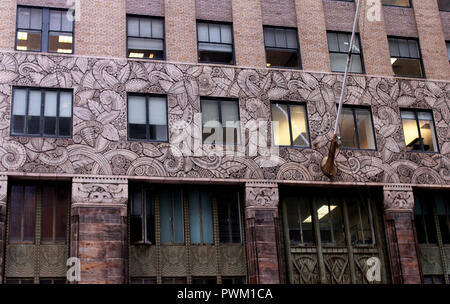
pixel 65 39
pixel 137 55
pixel 321 212
pixel 22 36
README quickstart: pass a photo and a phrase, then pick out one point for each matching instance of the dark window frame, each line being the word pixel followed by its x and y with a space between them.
pixel 147 237
pixel 357 35
pixel 219 101
pixel 42 115
pixel 299 67
pixel 392 5
pixel 233 53
pixel 289 104
pixel 355 122
pixel 45 29
pixel 163 39
pixel 442 10
pixel 424 75
pixel 147 125
pixel 416 111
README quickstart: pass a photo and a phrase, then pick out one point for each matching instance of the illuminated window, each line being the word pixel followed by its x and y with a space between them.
pixel 39 112
pixel 44 29
pixel 406 59
pixel 448 49
pixel 147 117
pixel 338 45
pixel 215 42
pixel 145 37
pixel 220 119
pixel 281 47
pixel 357 128
pixel 290 125
pixel 444 5
pixel 419 131
pixel 404 3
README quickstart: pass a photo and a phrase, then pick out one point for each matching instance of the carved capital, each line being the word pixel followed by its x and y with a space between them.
pixel 101 192
pixel 398 198
pixel 261 195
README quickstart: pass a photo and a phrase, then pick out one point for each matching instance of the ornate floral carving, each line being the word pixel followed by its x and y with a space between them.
pixel 103 191
pixel 261 195
pixel 398 198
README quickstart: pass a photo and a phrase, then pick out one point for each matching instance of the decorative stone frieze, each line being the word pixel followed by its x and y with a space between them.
pixel 261 195
pixel 98 192
pixel 398 198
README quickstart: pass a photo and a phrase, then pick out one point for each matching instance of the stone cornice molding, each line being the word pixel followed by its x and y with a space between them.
pixel 261 194
pixel 99 192
pixel 398 198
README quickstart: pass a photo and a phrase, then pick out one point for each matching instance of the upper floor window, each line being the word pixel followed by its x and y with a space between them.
pixel 404 3
pixel 147 117
pixel 448 49
pixel 338 45
pixel 444 5
pixel 357 128
pixel 215 42
pixel 419 131
pixel 44 29
pixel 281 47
pixel 142 216
pixel 145 37
pixel 406 59
pixel 290 125
pixel 220 120
pixel 41 112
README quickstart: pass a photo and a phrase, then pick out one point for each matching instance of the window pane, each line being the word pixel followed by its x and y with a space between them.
pixel 60 42
pixel 403 47
pixel 18 110
pixel 365 130
pixel 358 217
pixel 300 221
pixel 419 221
pixel 329 213
pixel 207 218
pixel 280 38
pixel 444 5
pixel 157 111
pixel 23 17
pixel 157 28
pixel 407 67
pixel 210 117
pixel 194 216
pixel 291 36
pixel 202 29
pixel 15 216
pixel 133 26
pixel 165 206
pixel 28 40
pixel 67 24
pixel 178 222
pixel 396 2
pixel 136 110
pixel 282 58
pixel 427 131
pixel 344 42
pixel 65 104
pixel 348 131
pixel 448 50
pixel 225 32
pixel 145 27
pixel 224 228
pixel 51 99
pixel 355 64
pixel 269 36
pixel 136 216
pixel 338 62
pixel 29 214
pixel 48 200
pixel 55 20
pixel 36 19
pixel 215 53
pixel 34 112
pixel 410 131
pixel 214 33
pixel 230 122
pixel 298 125
pixel 333 44
pixel 280 118
pixel 393 47
pixel 413 49
pixel 443 213
pixel 61 214
pixel 150 216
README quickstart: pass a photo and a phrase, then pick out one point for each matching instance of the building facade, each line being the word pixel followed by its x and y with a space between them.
pixel 107 153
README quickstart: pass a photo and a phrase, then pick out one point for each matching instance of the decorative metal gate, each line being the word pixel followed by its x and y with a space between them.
pixel 177 246
pixel 330 235
pixel 432 221
pixel 37 232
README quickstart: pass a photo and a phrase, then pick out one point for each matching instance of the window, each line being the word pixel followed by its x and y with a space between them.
pixel 147 117
pixel 338 45
pixel 200 211
pixel 229 218
pixel 145 37
pixel 406 59
pixel 404 3
pixel 357 128
pixel 444 5
pixel 44 29
pixel 418 128
pixel 215 42
pixel 448 49
pixel 290 125
pixel 172 224
pixel 142 216
pixel 281 47
pixel 220 119
pixel 41 112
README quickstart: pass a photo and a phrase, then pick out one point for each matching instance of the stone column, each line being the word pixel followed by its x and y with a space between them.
pixel 3 198
pixel 312 35
pixel 400 234
pixel 432 39
pixel 181 31
pixel 99 228
pixel 262 233
pixel 248 33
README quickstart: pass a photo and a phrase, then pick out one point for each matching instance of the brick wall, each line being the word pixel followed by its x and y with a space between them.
pixel 181 33
pixel 248 33
pixel 400 21
pixel 312 35
pixel 339 15
pixel 145 7
pixel 101 30
pixel 44 3
pixel 445 19
pixel 215 10
pixel 279 13
pixel 7 25
pixel 432 42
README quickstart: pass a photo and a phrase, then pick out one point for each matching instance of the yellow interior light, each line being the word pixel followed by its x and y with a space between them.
pixel 22 48
pixel 137 55
pixel 65 39
pixel 393 60
pixel 66 51
pixel 22 36
pixel 151 55
pixel 323 211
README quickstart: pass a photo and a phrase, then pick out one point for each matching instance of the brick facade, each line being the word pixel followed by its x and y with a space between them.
pixel 279 13
pixel 215 10
pixel 144 7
